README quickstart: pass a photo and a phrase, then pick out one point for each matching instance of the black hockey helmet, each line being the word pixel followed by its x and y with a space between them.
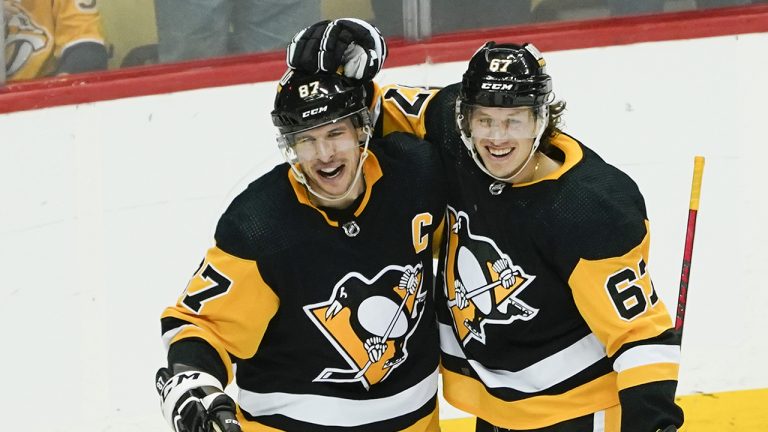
pixel 506 75
pixel 305 101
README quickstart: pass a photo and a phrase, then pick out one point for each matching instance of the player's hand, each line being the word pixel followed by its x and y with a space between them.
pixel 409 281
pixel 456 227
pixel 193 401
pixel 667 429
pixel 507 278
pixel 461 295
pixel 375 347
pixel 351 44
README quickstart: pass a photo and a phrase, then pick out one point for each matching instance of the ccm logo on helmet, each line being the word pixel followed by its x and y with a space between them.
pixel 314 111
pixel 489 86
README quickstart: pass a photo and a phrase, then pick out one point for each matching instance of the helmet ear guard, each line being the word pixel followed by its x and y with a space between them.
pixel 288 152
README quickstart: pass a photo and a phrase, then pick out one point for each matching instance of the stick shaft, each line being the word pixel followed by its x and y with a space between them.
pixel 690 233
pixel 685 273
pixel 384 338
pixel 482 289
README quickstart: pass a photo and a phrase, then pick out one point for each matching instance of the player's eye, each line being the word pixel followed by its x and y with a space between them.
pixel 486 122
pixel 304 140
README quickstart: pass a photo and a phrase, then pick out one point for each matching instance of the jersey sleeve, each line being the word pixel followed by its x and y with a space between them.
pixel 226 304
pixel 401 108
pixel 650 407
pixel 617 299
pixel 613 290
pixel 76 21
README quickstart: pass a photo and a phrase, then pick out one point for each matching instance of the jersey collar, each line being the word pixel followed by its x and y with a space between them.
pixel 573 154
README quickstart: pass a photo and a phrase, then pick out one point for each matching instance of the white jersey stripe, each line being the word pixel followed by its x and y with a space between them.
pixel 448 343
pixel 539 376
pixel 645 355
pixel 170 334
pixel 598 421
pixel 333 411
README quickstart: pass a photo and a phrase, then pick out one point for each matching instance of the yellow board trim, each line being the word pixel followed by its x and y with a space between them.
pixel 737 411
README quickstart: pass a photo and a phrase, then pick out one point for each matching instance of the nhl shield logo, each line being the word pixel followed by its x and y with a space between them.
pixel 369 322
pixel 482 284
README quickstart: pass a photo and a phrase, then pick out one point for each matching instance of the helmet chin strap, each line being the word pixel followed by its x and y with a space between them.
pixel 358 173
pixel 473 152
pixel 507 179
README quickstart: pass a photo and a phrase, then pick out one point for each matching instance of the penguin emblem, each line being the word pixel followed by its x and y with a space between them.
pixel 369 321
pixel 482 285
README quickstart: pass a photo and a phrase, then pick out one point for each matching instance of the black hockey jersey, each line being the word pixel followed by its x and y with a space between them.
pixel 294 297
pixel 579 325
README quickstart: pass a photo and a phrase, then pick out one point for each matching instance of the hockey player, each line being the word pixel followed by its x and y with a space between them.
pixel 318 288
pixel 54 37
pixel 548 317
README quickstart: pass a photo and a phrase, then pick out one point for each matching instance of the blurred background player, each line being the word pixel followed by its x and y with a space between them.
pixel 450 15
pixel 548 317
pixel 192 29
pixel 319 287
pixel 47 38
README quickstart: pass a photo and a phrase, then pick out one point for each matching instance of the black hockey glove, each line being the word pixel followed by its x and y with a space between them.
pixel 193 401
pixel 349 43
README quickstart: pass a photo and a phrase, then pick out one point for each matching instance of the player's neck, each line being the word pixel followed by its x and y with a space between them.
pixel 342 204
pixel 546 166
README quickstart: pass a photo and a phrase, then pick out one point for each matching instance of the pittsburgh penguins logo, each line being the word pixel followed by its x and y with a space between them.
pixel 369 321
pixel 23 37
pixel 482 284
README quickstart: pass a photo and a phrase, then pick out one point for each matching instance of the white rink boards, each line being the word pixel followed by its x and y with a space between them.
pixel 108 207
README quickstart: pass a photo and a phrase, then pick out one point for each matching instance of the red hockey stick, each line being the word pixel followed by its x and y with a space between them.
pixel 682 298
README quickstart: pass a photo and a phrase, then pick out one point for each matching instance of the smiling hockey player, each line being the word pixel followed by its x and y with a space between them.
pixel 319 287
pixel 549 321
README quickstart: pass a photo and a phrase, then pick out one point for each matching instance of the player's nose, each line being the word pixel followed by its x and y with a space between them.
pixel 325 150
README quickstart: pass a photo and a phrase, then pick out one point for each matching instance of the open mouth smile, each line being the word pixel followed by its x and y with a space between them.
pixel 499 153
pixel 330 173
